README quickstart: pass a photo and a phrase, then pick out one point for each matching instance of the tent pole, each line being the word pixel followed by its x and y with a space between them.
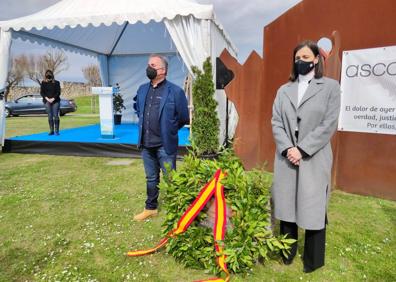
pixel 108 69
pixel 118 39
pixel 113 48
pixel 227 121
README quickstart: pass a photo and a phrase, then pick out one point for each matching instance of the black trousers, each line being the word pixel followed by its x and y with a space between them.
pixel 314 246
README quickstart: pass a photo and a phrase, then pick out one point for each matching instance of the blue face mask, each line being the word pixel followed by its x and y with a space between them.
pixel 303 67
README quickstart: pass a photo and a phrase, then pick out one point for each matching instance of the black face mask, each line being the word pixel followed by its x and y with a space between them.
pixel 151 73
pixel 303 67
pixel 48 76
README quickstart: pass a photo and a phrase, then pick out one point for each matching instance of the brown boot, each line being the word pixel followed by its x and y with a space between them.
pixel 145 214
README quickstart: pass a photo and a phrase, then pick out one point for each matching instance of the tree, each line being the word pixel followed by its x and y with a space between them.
pixel 205 123
pixel 55 60
pixel 92 75
pixel 16 73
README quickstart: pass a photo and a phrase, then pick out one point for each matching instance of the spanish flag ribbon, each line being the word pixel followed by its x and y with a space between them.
pixel 213 187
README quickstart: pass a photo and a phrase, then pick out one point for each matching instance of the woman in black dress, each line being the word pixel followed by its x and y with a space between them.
pixel 50 91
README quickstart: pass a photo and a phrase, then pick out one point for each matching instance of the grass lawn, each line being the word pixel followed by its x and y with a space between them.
pixel 87 104
pixel 69 219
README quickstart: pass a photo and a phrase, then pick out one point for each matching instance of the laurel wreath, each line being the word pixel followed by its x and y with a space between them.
pixel 249 238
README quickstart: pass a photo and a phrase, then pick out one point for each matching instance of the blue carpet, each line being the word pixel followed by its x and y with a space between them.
pixel 124 134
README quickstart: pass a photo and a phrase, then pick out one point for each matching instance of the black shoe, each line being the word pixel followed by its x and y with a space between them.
pixel 309 269
pixel 287 261
pixel 51 133
pixel 56 122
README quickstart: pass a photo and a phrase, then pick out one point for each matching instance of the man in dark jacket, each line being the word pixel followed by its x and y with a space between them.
pixel 162 110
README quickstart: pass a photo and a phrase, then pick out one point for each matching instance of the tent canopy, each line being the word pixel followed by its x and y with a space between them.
pixel 87 23
pixel 121 34
pixel 96 12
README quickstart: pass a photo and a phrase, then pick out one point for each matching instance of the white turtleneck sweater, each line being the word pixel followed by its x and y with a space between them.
pixel 303 82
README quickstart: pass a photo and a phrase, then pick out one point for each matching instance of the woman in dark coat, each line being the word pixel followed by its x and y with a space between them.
pixel 50 91
pixel 304 118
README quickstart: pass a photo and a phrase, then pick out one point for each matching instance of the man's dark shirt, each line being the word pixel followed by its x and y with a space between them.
pixel 151 125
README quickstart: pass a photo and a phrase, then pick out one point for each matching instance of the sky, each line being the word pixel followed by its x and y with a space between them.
pixel 243 20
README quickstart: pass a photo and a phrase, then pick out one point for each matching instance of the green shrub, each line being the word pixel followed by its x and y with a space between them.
pixel 247 193
pixel 205 123
pixel 118 103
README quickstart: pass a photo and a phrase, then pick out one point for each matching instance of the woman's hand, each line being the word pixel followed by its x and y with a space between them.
pixel 50 100
pixel 294 156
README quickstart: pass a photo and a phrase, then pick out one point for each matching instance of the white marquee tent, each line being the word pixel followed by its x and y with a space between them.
pixel 121 34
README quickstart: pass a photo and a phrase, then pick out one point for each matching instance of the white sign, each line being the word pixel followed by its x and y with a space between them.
pixel 103 90
pixel 368 91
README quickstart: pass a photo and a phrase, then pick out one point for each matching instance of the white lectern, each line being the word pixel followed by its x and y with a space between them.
pixel 105 110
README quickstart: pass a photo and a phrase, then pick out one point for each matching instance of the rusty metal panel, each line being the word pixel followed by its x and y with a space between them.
pixel 364 163
pixel 244 92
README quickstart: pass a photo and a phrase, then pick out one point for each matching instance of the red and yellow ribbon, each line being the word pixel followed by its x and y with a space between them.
pixel 213 187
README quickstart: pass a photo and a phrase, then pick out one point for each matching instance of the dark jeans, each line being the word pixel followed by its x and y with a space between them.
pixel 53 116
pixel 52 110
pixel 154 160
